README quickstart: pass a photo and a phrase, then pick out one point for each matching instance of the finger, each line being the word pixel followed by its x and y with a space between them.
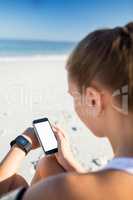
pixel 57 126
pixel 55 131
pixel 29 130
pixel 54 128
pixel 59 129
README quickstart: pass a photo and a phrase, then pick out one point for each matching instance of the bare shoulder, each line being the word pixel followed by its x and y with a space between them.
pixel 98 185
pixel 66 186
pixel 94 186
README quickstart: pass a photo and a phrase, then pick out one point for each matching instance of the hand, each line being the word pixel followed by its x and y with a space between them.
pixel 64 156
pixel 29 134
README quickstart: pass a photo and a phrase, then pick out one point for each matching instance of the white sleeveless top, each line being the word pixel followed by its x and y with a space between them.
pixel 120 163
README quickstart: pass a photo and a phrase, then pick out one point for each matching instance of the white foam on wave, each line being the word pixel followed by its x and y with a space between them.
pixel 62 57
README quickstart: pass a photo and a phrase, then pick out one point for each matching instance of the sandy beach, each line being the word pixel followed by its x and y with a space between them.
pixel 37 87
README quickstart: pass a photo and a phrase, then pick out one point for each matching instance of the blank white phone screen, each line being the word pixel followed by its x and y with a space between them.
pixel 46 135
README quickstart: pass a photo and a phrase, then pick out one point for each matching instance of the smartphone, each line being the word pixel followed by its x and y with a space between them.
pixel 45 135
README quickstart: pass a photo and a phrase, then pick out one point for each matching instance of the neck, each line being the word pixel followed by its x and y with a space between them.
pixel 122 138
pixel 123 152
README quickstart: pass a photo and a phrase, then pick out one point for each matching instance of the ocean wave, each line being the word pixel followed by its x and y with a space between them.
pixel 55 57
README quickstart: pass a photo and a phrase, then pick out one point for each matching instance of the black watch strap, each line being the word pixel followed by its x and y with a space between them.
pixel 22 143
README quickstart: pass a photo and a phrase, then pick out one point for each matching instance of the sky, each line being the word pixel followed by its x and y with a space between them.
pixel 60 20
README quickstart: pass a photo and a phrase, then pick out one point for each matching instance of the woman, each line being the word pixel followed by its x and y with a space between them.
pixel 100 80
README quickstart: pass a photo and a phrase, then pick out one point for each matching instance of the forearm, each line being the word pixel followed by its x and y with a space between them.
pixel 11 162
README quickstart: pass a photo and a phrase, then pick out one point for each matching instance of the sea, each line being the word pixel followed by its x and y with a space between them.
pixel 18 48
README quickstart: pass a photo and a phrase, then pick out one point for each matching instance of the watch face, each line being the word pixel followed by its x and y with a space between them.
pixel 22 141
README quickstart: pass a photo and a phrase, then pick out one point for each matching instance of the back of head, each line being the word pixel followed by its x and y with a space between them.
pixel 105 56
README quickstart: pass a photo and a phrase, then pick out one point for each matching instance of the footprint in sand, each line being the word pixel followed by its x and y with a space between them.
pixel 34 164
pixel 2 133
pixel 74 128
pixel 5 114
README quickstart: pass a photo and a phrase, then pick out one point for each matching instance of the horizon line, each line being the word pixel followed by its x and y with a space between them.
pixel 38 40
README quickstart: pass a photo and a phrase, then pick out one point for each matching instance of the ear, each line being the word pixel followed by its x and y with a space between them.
pixel 94 101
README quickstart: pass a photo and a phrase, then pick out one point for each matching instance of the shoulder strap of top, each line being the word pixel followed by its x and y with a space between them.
pixel 121 163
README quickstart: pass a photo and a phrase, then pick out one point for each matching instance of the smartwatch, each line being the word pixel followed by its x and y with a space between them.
pixel 22 143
